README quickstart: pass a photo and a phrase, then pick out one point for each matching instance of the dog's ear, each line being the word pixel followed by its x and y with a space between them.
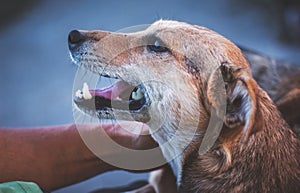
pixel 232 88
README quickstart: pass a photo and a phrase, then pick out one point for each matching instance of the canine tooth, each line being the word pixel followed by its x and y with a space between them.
pixel 79 94
pixel 86 92
pixel 137 95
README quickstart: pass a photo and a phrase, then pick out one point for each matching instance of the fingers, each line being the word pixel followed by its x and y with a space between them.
pixel 130 134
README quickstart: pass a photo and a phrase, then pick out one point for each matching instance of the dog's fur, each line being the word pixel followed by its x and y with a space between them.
pixel 256 150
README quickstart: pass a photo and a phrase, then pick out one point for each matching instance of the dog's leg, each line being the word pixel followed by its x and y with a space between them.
pixel 145 189
pixel 160 181
pixel 163 180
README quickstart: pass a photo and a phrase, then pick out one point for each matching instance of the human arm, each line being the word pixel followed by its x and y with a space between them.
pixel 54 157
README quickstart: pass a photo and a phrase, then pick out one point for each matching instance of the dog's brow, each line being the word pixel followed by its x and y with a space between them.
pixel 151 38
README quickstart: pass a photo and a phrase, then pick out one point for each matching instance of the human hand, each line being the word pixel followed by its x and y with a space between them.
pixel 130 134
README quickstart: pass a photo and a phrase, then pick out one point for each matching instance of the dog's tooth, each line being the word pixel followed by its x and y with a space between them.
pixel 79 94
pixel 86 92
pixel 137 95
pixel 133 95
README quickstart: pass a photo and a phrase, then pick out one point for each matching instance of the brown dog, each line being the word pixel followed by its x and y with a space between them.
pixel 281 80
pixel 177 78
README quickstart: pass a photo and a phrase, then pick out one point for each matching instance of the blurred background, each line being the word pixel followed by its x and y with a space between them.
pixel 36 74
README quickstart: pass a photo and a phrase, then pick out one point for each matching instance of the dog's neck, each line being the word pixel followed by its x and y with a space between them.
pixel 262 143
pixel 269 160
pixel 171 151
pixel 173 142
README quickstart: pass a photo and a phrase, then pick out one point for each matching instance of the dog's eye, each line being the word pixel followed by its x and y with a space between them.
pixel 157 47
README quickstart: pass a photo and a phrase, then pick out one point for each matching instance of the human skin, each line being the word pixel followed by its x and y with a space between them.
pixel 56 156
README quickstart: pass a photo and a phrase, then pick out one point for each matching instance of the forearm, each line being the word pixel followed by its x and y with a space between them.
pixel 52 157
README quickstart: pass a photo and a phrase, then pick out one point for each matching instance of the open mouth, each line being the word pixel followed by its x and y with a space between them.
pixel 120 96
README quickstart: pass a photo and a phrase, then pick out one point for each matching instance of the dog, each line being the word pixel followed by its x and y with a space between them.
pixel 177 78
pixel 281 80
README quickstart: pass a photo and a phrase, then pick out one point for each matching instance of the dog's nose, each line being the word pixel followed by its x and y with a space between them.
pixel 75 39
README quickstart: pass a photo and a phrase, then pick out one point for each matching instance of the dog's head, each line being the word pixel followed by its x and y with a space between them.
pixel 171 76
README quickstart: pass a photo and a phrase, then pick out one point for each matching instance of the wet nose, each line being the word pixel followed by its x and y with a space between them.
pixel 75 39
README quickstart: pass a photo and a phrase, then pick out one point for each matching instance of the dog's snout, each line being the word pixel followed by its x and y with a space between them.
pixel 75 39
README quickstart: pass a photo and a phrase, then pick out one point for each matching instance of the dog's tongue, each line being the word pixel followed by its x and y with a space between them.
pixel 111 92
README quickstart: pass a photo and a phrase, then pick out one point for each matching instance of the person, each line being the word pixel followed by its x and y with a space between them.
pixel 56 156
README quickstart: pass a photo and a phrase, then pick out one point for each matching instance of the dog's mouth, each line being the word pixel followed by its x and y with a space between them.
pixel 120 96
